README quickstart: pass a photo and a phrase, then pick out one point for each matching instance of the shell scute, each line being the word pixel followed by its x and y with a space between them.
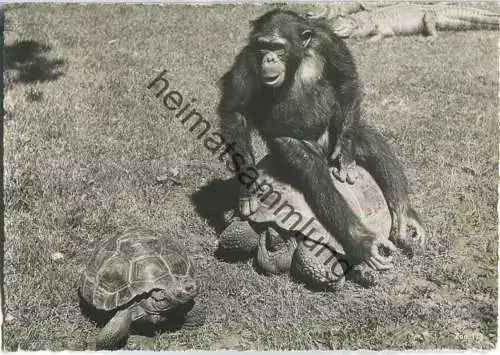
pixel 97 261
pixel 131 248
pixel 114 274
pixel 177 263
pixel 104 299
pixel 138 287
pixel 164 281
pixel 109 245
pixel 125 295
pixel 148 269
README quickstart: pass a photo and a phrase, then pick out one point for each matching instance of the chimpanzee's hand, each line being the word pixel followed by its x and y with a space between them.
pixel 368 248
pixel 409 232
pixel 345 172
pixel 346 165
pixel 377 261
pixel 248 203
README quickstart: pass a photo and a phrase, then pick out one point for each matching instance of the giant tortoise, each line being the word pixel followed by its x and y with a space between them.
pixel 283 234
pixel 140 276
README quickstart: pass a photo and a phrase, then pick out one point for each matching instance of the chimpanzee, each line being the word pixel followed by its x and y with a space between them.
pixel 296 83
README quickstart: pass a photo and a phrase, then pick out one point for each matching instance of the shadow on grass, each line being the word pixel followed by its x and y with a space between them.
pixel 29 59
pixel 214 200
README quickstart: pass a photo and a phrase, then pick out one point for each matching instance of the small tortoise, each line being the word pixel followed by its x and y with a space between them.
pixel 284 235
pixel 140 276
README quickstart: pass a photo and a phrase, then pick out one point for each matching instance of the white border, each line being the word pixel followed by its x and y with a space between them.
pixel 234 352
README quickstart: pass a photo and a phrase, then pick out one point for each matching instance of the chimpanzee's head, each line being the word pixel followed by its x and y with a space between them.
pixel 279 40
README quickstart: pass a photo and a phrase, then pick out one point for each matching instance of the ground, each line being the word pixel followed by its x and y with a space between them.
pixel 89 149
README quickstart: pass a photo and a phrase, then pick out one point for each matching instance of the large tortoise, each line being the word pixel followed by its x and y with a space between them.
pixel 279 243
pixel 139 276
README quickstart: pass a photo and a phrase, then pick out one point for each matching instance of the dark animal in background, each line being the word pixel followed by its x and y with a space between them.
pixel 296 83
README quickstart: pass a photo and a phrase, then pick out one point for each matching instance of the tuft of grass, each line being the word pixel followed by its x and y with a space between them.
pixel 34 95
pixel 83 162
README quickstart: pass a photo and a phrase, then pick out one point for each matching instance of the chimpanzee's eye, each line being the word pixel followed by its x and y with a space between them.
pixel 271 47
pixel 261 53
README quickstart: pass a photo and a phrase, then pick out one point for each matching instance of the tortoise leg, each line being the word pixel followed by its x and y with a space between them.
pixel 238 240
pixel 363 275
pixel 115 332
pixel 274 253
pixel 319 267
pixel 195 317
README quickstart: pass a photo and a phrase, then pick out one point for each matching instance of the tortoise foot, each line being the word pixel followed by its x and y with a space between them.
pixel 319 267
pixel 195 317
pixel 275 251
pixel 364 276
pixel 238 241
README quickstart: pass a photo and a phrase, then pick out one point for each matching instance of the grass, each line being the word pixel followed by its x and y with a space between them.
pixel 85 141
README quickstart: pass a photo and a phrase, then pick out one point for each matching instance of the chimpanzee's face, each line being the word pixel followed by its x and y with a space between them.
pixel 272 56
pixel 279 48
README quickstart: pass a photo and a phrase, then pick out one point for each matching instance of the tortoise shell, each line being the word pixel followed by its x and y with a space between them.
pixel 128 265
pixel 286 207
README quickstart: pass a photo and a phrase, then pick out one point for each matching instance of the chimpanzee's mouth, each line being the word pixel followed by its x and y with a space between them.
pixel 273 80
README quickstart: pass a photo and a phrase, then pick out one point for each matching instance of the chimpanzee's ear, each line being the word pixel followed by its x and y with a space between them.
pixel 306 37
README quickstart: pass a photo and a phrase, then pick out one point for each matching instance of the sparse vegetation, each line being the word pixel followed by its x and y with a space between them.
pixel 85 143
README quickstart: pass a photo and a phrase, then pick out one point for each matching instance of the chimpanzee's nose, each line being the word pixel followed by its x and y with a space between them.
pixel 270 59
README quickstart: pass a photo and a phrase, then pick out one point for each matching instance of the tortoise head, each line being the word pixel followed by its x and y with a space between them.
pixel 178 293
pixel 344 26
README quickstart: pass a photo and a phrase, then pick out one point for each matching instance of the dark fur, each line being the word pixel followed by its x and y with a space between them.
pixel 333 104
pixel 297 113
pixel 374 154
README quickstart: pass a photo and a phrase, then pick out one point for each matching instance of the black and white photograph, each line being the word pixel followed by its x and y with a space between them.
pixel 250 176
